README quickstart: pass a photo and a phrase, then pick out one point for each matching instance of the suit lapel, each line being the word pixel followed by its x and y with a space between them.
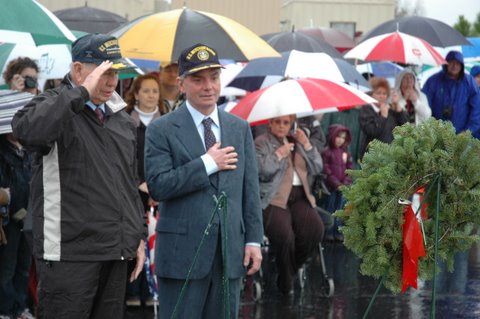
pixel 226 135
pixel 187 133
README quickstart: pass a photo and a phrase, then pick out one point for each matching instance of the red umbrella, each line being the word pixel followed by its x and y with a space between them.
pixel 336 38
pixel 396 47
pixel 302 97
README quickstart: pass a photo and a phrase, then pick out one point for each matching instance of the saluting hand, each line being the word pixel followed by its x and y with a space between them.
pixel 91 80
pixel 225 158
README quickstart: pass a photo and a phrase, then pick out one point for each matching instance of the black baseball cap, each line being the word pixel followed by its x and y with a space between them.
pixel 197 58
pixel 96 48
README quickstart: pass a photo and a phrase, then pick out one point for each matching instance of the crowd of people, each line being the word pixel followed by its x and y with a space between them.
pixel 83 165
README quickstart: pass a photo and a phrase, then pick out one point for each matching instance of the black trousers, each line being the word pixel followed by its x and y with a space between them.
pixel 81 290
pixel 294 234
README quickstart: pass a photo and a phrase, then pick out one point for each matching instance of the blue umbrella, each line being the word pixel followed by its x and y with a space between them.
pixel 472 51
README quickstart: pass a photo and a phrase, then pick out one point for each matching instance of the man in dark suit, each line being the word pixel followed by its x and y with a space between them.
pixel 192 155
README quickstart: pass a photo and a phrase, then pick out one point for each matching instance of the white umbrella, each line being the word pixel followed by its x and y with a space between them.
pixel 396 47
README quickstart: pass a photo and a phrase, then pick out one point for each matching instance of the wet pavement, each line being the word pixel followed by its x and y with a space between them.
pixel 457 294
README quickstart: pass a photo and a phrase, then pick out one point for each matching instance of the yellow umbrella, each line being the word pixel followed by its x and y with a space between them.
pixel 162 36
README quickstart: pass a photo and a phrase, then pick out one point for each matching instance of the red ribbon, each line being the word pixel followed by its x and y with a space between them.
pixel 412 248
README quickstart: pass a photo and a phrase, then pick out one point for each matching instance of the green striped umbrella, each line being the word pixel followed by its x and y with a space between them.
pixel 30 17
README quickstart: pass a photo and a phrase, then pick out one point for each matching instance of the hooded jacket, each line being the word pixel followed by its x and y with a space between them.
pixel 421 107
pixel 457 101
pixel 336 160
pixel 84 196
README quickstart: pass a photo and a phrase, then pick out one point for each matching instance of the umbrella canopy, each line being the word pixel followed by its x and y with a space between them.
pixel 287 41
pixel 10 103
pixel 302 97
pixel 91 20
pixel 33 19
pixel 472 51
pixel 296 64
pixel 396 47
pixel 435 32
pixel 336 38
pixel 385 69
pixel 162 36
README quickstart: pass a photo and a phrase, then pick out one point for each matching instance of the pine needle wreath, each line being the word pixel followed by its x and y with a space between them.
pixel 373 218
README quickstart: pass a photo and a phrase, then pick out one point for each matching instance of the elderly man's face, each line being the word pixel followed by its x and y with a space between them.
pixel 454 68
pixel 106 84
pixel 202 89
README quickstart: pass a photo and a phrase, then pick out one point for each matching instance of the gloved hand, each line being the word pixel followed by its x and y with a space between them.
pixel 3 237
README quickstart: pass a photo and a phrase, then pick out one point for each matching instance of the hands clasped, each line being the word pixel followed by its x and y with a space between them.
pixel 225 158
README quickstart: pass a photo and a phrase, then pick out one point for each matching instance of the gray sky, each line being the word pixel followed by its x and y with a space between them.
pixel 449 10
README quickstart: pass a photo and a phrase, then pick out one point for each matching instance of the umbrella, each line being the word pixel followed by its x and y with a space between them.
pixel 472 51
pixel 287 41
pixel 384 69
pixel 296 64
pixel 433 31
pixel 91 20
pixel 229 71
pixel 302 97
pixel 33 19
pixel 396 47
pixel 336 38
pixel 10 103
pixel 162 36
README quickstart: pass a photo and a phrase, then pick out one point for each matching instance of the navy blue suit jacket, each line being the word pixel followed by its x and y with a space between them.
pixel 176 177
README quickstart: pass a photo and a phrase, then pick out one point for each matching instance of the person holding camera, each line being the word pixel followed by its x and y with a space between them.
pixel 21 75
pixel 454 96
pixel 287 165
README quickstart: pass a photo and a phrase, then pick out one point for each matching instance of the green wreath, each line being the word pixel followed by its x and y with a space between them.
pixel 373 217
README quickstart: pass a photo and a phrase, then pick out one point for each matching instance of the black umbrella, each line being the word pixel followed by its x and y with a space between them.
pixel 435 32
pixel 90 20
pixel 287 41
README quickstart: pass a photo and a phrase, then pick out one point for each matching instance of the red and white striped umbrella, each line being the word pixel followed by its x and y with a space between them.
pixel 302 97
pixel 396 47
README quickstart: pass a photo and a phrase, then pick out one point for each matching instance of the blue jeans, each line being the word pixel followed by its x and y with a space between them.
pixel 15 260
pixel 334 202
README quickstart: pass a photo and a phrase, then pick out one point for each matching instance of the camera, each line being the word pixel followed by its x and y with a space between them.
pixel 447 112
pixel 30 82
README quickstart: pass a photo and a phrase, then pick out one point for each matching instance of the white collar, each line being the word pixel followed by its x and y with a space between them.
pixel 199 117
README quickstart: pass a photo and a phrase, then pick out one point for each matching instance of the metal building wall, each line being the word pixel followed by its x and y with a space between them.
pixel 366 14
pixel 260 16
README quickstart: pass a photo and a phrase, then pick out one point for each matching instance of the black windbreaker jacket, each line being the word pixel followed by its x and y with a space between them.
pixel 84 196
